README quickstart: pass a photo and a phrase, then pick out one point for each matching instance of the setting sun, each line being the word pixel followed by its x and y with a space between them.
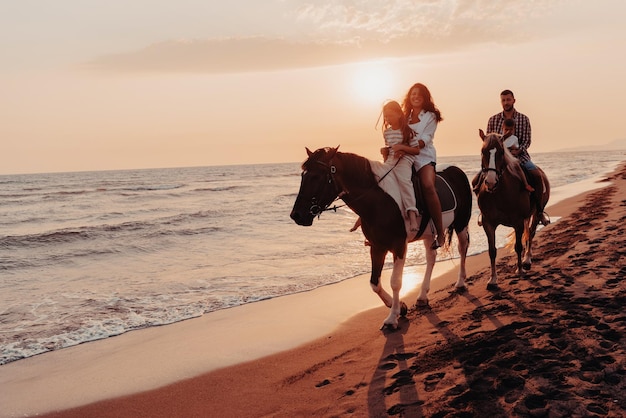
pixel 373 82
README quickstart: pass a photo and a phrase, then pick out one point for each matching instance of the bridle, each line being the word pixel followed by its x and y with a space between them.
pixel 495 170
pixel 315 209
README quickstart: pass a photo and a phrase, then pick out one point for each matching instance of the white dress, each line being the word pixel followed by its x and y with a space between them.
pixel 400 170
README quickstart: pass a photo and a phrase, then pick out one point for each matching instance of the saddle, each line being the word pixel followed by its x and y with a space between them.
pixel 446 198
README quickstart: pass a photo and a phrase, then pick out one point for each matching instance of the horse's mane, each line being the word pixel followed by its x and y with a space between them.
pixel 360 165
pixel 352 163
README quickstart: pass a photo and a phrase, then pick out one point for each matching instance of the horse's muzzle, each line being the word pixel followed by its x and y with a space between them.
pixel 491 181
pixel 490 188
pixel 301 220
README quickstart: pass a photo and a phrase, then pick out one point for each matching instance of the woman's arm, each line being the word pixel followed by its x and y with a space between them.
pixel 426 132
pixel 408 149
pixel 428 125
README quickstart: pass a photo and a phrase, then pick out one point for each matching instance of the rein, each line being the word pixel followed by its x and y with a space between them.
pixel 332 170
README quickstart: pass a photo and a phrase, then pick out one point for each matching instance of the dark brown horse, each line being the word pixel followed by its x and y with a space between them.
pixel 328 174
pixel 503 201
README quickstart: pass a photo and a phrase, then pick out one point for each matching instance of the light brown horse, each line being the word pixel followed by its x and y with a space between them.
pixel 328 174
pixel 504 201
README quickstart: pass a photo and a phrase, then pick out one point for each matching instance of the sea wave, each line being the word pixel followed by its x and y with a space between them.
pixel 68 235
pixel 142 248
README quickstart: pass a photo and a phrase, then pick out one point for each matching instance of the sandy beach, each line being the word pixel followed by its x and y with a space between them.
pixel 550 344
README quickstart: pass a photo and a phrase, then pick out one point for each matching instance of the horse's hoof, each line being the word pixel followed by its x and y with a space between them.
pixel 526 266
pixel 404 310
pixel 389 327
pixel 422 304
pixel 493 287
pixel 460 289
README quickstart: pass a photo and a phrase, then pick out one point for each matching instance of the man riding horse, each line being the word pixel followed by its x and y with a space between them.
pixel 523 132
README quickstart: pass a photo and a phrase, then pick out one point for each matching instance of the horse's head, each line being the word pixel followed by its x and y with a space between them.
pixel 492 159
pixel 318 188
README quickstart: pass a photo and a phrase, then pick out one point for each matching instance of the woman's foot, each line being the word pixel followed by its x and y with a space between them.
pixel 438 242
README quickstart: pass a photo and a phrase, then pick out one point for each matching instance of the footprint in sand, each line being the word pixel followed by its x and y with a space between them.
pixel 388 366
pixel 402 378
pixel 432 380
pixel 322 383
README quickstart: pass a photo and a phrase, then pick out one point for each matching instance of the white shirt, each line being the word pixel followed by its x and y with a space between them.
pixel 425 130
pixel 511 142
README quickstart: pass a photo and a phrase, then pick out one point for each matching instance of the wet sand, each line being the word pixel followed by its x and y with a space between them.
pixel 550 343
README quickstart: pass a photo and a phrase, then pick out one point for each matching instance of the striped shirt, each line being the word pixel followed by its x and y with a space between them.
pixel 522 131
pixel 393 137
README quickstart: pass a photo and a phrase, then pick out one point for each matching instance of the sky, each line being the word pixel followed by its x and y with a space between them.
pixel 110 84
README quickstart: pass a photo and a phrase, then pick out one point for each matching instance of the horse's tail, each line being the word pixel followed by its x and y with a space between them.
pixel 462 190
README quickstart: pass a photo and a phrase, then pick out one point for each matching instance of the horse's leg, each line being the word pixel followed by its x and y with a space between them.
pixel 396 285
pixel 530 226
pixel 519 232
pixel 378 261
pixel 431 257
pixel 490 231
pixel 463 238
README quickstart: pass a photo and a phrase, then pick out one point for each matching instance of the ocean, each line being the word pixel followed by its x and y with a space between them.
pixel 90 255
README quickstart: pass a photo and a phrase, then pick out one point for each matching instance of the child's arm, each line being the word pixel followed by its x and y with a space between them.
pixel 514 150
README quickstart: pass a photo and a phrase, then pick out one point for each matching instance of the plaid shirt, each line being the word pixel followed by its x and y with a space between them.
pixel 522 131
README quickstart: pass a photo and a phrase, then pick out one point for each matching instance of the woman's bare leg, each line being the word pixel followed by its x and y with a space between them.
pixel 427 181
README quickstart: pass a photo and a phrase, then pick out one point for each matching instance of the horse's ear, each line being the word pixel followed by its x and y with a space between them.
pixel 308 151
pixel 482 134
pixel 332 152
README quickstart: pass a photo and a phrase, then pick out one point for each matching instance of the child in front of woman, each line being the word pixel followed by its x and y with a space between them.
pixel 396 131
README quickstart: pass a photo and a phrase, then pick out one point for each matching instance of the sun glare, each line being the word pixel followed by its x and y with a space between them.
pixel 373 82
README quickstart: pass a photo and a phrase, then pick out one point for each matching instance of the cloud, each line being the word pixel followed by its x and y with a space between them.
pixel 227 55
pixel 333 33
pixel 252 54
pixel 425 18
